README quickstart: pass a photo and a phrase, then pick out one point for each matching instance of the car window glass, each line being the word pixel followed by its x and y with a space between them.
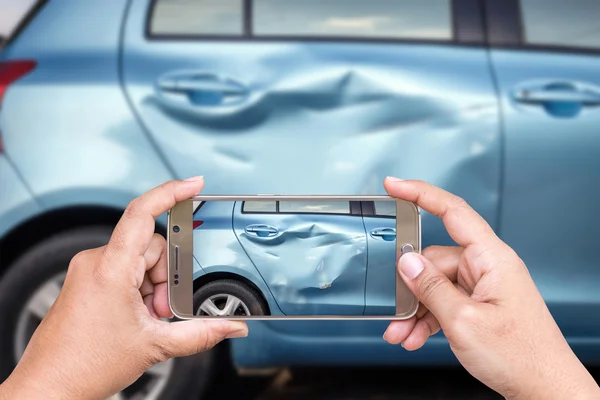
pixel 385 208
pixel 417 19
pixel 12 14
pixel 573 23
pixel 259 206
pixel 315 207
pixel 197 17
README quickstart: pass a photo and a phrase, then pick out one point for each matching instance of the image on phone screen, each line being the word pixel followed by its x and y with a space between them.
pixel 298 258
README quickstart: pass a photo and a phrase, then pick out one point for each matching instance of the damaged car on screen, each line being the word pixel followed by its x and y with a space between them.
pixel 294 258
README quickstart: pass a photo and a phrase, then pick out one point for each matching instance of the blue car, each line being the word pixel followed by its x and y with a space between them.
pixel 497 101
pixel 294 258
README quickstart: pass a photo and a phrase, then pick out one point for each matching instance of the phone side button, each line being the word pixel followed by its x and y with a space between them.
pixel 176 258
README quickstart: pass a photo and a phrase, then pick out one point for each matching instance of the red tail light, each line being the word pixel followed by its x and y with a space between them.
pixel 197 223
pixel 12 70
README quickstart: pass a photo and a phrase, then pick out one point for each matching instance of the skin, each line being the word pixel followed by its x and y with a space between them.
pixel 104 330
pixel 481 295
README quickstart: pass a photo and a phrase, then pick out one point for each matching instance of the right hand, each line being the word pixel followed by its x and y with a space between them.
pixel 483 298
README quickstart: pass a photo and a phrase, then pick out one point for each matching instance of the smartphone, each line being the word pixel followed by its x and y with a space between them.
pixel 291 257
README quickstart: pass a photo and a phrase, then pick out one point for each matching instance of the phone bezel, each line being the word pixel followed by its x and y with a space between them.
pixel 179 246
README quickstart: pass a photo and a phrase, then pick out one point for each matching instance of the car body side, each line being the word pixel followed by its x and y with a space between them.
pixel 74 140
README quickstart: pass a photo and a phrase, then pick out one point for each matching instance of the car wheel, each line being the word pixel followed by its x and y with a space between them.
pixel 228 297
pixel 31 286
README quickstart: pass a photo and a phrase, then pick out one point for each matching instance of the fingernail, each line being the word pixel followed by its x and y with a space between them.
pixel 237 334
pixel 411 265
pixel 194 179
pixel 394 179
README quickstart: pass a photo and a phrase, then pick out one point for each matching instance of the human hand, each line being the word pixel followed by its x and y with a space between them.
pixel 105 328
pixel 483 298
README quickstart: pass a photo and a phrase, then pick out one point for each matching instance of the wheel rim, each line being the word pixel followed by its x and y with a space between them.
pixel 148 387
pixel 223 304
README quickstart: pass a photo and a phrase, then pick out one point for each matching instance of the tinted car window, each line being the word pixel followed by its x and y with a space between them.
pixel 385 208
pixel 259 206
pixel 419 19
pixel 315 207
pixel 197 17
pixel 573 23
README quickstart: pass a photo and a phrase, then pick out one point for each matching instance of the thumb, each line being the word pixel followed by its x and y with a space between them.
pixel 185 338
pixel 431 287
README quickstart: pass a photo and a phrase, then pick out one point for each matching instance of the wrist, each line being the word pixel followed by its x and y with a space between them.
pixel 21 387
pixel 562 382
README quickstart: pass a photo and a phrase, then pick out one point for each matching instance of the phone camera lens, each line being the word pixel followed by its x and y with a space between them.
pixel 176 282
pixel 176 228
pixel 176 276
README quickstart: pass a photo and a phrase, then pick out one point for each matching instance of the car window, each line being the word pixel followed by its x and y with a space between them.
pixel 197 17
pixel 12 14
pixel 573 23
pixel 259 206
pixel 418 19
pixel 385 208
pixel 315 207
pixel 386 19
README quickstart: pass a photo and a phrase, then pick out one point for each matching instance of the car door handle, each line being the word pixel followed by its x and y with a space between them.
pixel 387 234
pixel 205 83
pixel 558 92
pixel 546 96
pixel 204 94
pixel 261 230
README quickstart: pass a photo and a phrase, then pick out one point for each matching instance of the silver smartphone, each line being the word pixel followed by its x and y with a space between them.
pixel 291 257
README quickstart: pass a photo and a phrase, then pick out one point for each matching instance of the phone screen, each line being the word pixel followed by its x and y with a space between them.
pixel 297 258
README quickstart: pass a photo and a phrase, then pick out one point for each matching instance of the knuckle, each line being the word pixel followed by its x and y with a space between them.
pixel 459 202
pixel 463 325
pixel 161 348
pixel 133 207
pixel 431 251
pixel 467 315
pixel 79 259
pixel 430 285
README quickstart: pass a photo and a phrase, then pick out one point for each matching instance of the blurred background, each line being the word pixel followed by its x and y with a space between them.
pixel 497 101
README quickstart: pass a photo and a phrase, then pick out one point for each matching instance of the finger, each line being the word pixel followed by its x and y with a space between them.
pixel 147 287
pixel 149 302
pixel 159 271
pixel 156 248
pixel 464 225
pixel 398 331
pixel 135 229
pixel 445 258
pixel 161 301
pixel 421 311
pixel 431 287
pixel 158 275
pixel 425 327
pixel 190 337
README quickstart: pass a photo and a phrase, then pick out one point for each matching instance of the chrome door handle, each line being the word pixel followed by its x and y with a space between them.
pixel 558 92
pixel 261 230
pixel 545 96
pixel 387 234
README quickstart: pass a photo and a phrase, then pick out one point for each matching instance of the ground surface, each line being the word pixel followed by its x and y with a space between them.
pixel 358 384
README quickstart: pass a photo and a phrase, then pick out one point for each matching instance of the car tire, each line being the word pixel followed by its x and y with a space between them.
pixel 249 297
pixel 186 377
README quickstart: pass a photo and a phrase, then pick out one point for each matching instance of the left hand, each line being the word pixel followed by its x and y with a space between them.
pixel 105 328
